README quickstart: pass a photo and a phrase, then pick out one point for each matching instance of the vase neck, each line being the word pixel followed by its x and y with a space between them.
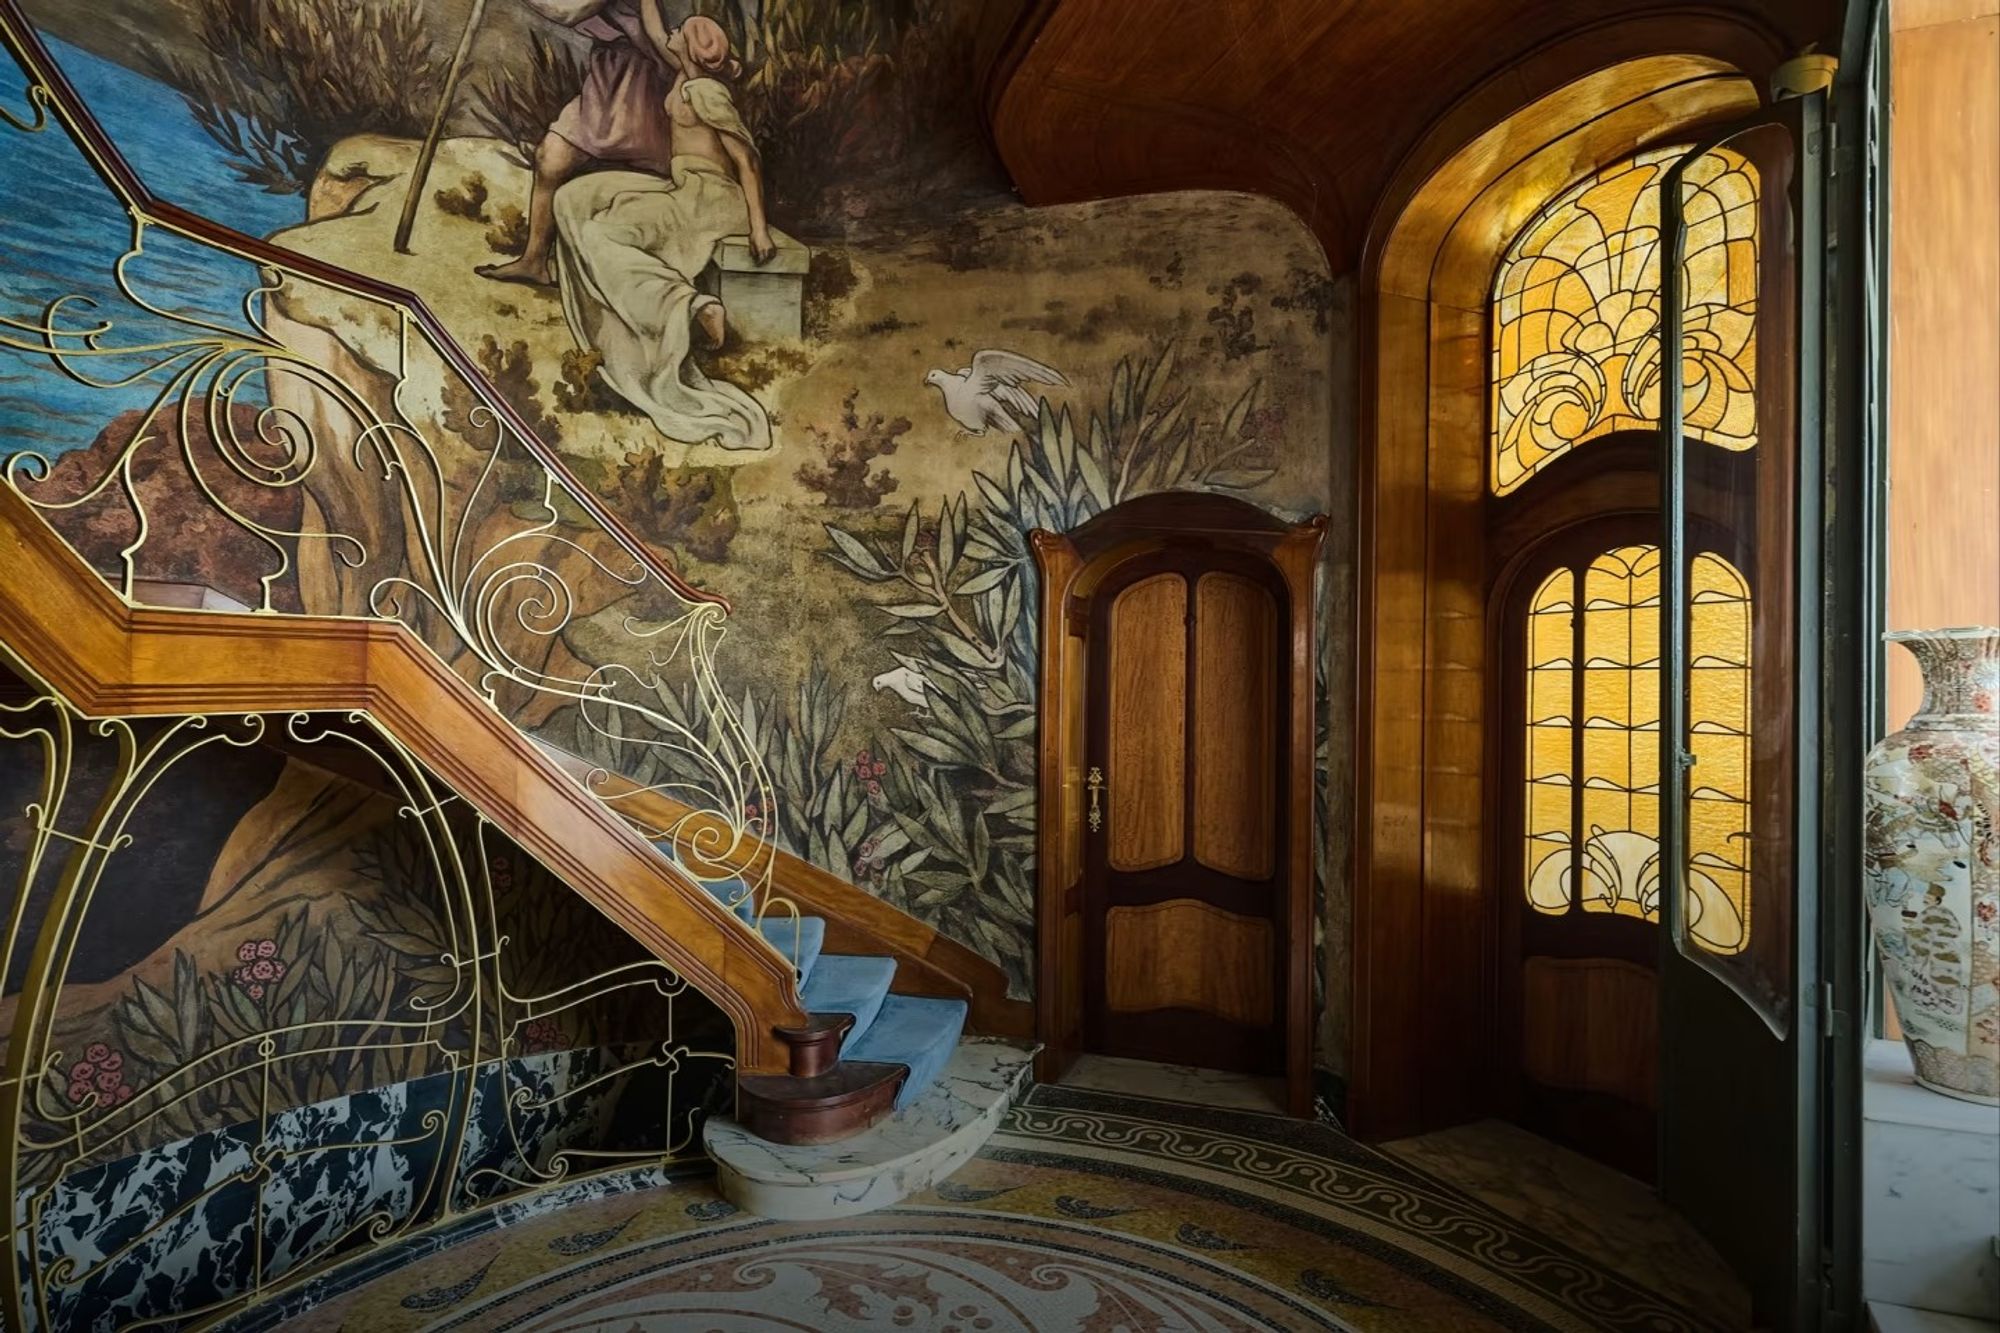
pixel 1961 679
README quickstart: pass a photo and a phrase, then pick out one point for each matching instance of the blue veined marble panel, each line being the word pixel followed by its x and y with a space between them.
pixel 188 1226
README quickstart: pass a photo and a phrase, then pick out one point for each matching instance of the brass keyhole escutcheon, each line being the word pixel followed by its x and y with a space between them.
pixel 1096 784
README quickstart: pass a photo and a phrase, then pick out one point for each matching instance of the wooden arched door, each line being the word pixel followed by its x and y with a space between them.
pixel 1184 883
pixel 1175 869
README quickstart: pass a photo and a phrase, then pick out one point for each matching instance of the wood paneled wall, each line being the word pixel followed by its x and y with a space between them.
pixel 1424 922
pixel 1944 324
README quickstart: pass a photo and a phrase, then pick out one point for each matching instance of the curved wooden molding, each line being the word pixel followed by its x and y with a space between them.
pixel 133 193
pixel 856 921
pixel 1071 565
pixel 111 659
pixel 1424 926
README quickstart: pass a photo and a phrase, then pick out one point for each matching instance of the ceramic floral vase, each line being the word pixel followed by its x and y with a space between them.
pixel 1931 807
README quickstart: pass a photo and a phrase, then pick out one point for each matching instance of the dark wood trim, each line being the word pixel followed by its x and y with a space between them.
pixel 1058 861
pixel 1072 564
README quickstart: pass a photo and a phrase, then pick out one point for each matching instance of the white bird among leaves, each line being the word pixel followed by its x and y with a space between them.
pixel 907 683
pixel 987 394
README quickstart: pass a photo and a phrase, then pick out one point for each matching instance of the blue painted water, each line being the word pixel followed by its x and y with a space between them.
pixel 62 232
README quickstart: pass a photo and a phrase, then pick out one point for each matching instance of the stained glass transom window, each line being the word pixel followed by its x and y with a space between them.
pixel 1576 313
pixel 1592 748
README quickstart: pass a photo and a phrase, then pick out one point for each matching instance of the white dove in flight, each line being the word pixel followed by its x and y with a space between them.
pixel 988 393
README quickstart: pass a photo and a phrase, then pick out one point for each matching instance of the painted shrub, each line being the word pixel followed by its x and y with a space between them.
pixel 881 650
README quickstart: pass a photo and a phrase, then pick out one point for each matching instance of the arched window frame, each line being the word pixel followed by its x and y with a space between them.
pixel 1606 479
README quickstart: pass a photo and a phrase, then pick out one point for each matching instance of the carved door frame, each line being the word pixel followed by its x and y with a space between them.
pixel 1072 565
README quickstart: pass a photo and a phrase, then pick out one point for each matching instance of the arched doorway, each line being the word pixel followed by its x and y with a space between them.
pixel 1174 865
pixel 1555 515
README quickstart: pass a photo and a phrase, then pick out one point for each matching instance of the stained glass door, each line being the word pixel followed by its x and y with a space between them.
pixel 1739 787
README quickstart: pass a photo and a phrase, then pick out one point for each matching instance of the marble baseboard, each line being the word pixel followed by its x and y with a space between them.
pixel 905 1154
pixel 1930 1174
pixel 1902 1319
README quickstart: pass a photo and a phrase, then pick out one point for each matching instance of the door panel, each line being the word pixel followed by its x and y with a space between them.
pixel 1148 717
pixel 1184 888
pixel 1739 1018
pixel 1235 726
pixel 1185 954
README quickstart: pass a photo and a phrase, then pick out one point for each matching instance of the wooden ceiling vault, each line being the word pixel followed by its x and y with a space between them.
pixel 1320 104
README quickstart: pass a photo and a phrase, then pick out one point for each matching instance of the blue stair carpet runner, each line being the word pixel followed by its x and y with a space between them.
pixel 916 1031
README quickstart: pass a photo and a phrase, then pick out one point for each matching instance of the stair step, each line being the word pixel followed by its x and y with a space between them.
pixel 799 941
pixel 905 1154
pixel 915 1030
pixel 854 984
pixel 826 1108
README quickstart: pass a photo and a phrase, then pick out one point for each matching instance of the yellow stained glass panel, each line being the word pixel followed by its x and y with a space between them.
pixel 1551 743
pixel 1600 663
pixel 1621 732
pixel 1718 904
pixel 1576 313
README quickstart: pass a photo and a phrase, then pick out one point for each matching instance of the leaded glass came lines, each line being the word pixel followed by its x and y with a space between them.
pixel 1600 663
pixel 1621 732
pixel 1551 761
pixel 1576 312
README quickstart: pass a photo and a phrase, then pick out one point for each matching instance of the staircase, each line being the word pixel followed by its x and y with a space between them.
pixel 903 1101
pixel 856 1082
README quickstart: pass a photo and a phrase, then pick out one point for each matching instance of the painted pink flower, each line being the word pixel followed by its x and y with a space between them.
pixel 267 948
pixel 123 1095
pixel 110 1060
pixel 874 787
pixel 246 951
pixel 82 1071
pixel 262 970
pixel 1982 701
pixel 108 1081
pixel 1984 909
pixel 79 1090
pixel 97 1053
pixel 881 767
pixel 545 1034
pixel 256 991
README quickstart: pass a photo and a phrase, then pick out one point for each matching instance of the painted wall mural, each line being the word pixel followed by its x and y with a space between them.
pixel 755 275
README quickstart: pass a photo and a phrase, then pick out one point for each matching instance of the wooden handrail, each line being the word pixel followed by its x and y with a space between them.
pixel 133 193
pixel 857 921
pixel 110 659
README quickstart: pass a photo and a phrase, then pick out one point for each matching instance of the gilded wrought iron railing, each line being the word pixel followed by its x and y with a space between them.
pixel 209 1138
pixel 344 452
pixel 364 481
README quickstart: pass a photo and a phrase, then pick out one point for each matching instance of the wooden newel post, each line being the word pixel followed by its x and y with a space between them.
pixel 425 155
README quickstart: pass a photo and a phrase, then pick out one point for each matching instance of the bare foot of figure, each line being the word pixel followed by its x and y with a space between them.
pixel 521 271
pixel 711 319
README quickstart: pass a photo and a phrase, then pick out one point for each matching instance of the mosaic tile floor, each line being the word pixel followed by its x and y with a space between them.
pixel 1086 1211
pixel 1595 1210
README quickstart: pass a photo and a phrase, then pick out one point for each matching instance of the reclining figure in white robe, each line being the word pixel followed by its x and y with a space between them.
pixel 632 244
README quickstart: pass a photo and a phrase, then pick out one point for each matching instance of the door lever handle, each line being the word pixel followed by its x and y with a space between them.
pixel 1096 784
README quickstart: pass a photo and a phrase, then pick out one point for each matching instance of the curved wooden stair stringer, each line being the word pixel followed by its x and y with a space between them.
pixel 107 658
pixel 858 922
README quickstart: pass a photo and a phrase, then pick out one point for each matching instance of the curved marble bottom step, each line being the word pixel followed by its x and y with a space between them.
pixel 910 1151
